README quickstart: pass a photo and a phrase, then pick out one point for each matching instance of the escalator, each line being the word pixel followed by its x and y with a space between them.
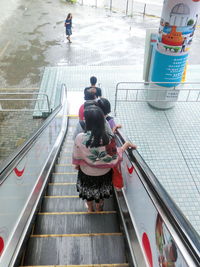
pixel 44 223
pixel 64 232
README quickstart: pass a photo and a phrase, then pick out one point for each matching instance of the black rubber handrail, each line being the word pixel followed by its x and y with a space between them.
pixel 182 226
pixel 7 166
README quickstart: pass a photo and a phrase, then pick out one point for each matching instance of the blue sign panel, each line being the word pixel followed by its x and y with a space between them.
pixel 168 68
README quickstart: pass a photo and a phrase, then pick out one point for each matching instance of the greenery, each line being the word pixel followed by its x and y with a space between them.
pixel 71 1
pixel 190 22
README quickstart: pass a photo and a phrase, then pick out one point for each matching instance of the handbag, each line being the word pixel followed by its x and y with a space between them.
pixel 117 178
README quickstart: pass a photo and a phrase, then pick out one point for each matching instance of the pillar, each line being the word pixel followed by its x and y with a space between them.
pixel 176 30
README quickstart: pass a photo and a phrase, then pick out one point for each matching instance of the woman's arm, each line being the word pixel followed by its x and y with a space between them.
pixel 127 145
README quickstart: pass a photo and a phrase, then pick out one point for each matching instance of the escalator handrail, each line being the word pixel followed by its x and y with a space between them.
pixel 7 166
pixel 185 230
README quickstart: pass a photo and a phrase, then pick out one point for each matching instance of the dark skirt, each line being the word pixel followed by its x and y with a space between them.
pixel 94 187
pixel 68 31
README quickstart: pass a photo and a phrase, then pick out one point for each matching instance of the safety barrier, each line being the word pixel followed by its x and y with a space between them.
pixel 18 101
pixel 148 92
pixel 128 7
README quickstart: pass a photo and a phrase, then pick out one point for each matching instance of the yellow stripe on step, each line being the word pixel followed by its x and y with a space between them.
pixel 72 116
pixel 76 212
pixel 77 235
pixel 85 265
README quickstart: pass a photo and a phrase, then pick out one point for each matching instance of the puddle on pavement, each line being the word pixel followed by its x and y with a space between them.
pixel 59 22
pixel 30 59
pixel 22 7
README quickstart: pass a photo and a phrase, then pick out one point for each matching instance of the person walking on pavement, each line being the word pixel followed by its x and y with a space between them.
pixel 68 26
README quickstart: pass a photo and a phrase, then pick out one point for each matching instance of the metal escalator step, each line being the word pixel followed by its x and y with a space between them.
pixel 78 223
pixel 65 158
pixel 71 204
pixel 68 140
pixel 73 119
pixel 57 190
pixel 63 168
pixel 65 177
pixel 74 250
pixel 68 144
pixel 61 183
pixel 71 128
pixel 69 136
pixel 81 265
pixel 65 152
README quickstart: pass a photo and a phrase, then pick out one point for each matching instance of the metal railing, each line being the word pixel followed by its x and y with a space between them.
pixel 128 7
pixel 20 101
pixel 147 92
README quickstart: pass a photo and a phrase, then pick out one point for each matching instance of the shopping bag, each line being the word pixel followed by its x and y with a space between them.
pixel 117 178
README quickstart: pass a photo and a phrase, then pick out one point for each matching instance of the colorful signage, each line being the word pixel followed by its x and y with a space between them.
pixel 177 26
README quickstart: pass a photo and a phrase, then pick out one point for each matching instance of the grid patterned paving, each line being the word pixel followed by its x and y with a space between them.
pixel 169 140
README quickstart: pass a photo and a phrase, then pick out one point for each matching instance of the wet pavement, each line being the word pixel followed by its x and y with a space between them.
pixel 34 37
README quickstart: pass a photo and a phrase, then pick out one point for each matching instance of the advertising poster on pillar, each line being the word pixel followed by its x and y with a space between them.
pixel 176 30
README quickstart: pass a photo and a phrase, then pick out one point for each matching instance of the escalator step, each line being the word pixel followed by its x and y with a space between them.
pixel 67 147
pixel 66 250
pixel 65 158
pixel 68 144
pixel 78 223
pixel 64 168
pixel 71 204
pixel 66 152
pixel 68 141
pixel 81 265
pixel 59 190
pixel 67 177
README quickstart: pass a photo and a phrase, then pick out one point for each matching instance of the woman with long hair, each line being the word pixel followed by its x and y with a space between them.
pixel 94 155
pixel 68 26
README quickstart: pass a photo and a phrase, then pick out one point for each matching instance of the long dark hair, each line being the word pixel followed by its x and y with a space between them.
pixel 95 122
pixel 69 15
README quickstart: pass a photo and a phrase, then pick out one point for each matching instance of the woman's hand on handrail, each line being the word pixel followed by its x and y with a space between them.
pixel 127 145
pixel 116 127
